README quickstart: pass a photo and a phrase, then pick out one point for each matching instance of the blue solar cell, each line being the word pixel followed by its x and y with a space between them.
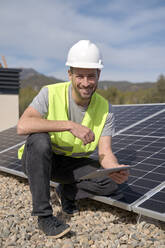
pixel 153 161
pixel 154 206
pixel 155 203
pixel 160 170
pixel 136 173
pixel 144 167
pixel 146 183
pixel 160 196
pixel 155 176
pixel 150 127
pixel 131 193
pixel 128 115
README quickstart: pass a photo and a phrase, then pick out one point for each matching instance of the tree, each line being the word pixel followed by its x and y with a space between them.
pixel 161 88
pixel 26 96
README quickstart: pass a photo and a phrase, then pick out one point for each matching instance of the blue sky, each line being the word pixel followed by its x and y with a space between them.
pixel 130 33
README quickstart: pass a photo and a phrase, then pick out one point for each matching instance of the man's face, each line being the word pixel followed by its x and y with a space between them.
pixel 84 82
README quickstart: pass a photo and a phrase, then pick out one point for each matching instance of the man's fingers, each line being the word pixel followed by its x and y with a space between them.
pixel 82 132
pixel 119 177
pixel 124 172
pixel 88 138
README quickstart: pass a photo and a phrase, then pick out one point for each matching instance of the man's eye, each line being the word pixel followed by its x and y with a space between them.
pixel 91 77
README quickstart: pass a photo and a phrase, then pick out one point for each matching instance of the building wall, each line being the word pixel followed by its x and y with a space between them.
pixel 9 111
pixel 9 97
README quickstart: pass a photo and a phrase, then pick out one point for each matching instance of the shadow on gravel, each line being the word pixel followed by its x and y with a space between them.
pixel 18 178
pixel 118 216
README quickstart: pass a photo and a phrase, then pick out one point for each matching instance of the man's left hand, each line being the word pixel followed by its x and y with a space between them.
pixel 120 176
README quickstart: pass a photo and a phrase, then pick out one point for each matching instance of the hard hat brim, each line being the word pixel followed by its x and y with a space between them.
pixel 85 65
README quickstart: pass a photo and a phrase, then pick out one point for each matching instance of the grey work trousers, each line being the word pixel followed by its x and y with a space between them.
pixel 41 165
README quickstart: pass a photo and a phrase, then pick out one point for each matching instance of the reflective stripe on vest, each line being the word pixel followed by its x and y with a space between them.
pixel 64 148
pixel 58 150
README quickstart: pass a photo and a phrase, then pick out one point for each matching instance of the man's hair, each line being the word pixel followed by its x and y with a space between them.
pixel 71 69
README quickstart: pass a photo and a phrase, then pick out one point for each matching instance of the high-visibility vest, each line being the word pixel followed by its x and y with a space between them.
pixel 65 143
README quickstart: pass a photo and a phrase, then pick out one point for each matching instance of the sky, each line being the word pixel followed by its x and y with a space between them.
pixel 130 34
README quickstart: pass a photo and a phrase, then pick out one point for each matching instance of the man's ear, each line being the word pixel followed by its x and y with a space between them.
pixel 69 74
pixel 98 73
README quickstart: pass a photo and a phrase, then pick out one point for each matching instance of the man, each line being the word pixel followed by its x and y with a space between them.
pixel 66 122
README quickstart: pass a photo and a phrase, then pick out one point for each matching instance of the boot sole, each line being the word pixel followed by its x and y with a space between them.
pixel 60 234
pixel 71 215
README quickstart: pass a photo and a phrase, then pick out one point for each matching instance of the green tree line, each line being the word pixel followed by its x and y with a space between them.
pixel 151 95
pixel 26 96
pixel 112 94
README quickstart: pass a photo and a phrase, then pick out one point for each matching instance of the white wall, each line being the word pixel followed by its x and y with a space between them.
pixel 9 111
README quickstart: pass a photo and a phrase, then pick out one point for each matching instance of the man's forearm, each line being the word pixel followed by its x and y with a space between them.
pixel 38 125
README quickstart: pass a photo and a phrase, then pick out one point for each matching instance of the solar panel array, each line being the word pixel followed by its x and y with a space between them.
pixel 9 144
pixel 139 141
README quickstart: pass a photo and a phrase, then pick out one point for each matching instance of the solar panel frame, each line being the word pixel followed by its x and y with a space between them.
pixel 137 207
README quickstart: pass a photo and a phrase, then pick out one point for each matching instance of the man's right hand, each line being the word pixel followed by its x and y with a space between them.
pixel 82 132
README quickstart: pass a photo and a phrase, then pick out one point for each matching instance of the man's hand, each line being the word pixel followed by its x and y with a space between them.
pixel 120 176
pixel 82 132
pixel 108 160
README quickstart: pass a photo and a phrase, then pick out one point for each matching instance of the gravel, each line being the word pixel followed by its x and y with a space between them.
pixel 98 225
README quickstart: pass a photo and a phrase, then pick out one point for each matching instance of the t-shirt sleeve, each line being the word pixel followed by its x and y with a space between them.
pixel 109 127
pixel 40 102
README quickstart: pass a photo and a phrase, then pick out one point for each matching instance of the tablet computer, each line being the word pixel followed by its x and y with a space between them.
pixel 103 172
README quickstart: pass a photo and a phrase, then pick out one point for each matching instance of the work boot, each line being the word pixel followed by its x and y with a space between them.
pixel 53 227
pixel 69 207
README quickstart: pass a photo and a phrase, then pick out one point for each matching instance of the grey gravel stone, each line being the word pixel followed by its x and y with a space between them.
pixel 121 234
pixel 98 225
pixel 5 233
pixel 134 236
pixel 68 244
pixel 134 244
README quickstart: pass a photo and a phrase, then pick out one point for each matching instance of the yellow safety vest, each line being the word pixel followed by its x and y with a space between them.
pixel 65 143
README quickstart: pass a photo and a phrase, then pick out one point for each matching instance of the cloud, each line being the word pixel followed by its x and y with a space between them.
pixel 129 33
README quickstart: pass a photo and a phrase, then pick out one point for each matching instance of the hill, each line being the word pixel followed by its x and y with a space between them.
pixel 30 77
pixel 125 85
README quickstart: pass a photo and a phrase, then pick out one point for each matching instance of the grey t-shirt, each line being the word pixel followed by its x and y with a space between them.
pixel 76 112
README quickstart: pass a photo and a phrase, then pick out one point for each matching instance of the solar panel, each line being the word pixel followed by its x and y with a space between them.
pixel 9 161
pixel 127 115
pixel 151 127
pixel 154 204
pixel 139 141
pixel 9 139
pixel 147 168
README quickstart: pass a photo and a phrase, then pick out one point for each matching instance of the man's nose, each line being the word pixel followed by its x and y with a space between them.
pixel 85 81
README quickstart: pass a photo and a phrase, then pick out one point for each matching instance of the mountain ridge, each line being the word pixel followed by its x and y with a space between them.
pixel 36 80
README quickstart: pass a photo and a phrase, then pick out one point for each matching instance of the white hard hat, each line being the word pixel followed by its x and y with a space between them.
pixel 84 54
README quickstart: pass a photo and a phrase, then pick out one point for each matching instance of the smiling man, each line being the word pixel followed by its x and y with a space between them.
pixel 67 123
pixel 84 82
